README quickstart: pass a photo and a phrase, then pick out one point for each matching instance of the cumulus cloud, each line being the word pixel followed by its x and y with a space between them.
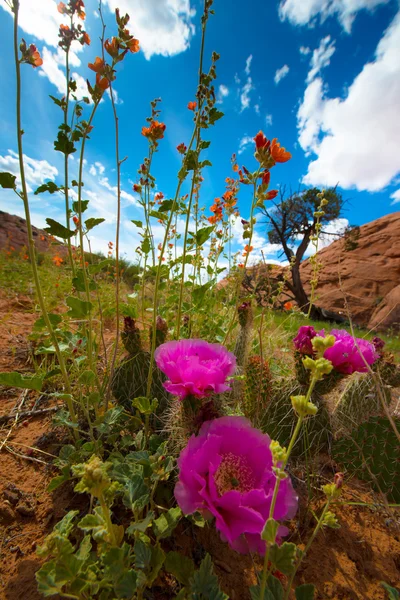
pixel 223 92
pixel 268 120
pixel 162 26
pixel 396 197
pixel 53 70
pixel 40 19
pixel 248 64
pixel 321 57
pixel 356 139
pixel 244 143
pixel 245 94
pixel 281 73
pixel 36 171
pixel 304 50
pixel 304 12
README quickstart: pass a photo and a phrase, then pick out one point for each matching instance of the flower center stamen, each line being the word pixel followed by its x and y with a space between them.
pixel 233 473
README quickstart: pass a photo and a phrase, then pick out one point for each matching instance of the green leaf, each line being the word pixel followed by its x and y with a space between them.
pixel 166 205
pixel 145 245
pixel 157 561
pixel 199 292
pixel 53 318
pixel 141 525
pixel 56 482
pixel 49 186
pixel 270 530
pixel 78 309
pixel 55 228
pixel 205 583
pixel 92 222
pixel 26 382
pixel 204 144
pixel 307 591
pixel 63 144
pixel 125 586
pixel 191 161
pixel 166 523
pixel 205 163
pixel 99 266
pixel 393 594
pixel 137 223
pixel 79 282
pixel 46 580
pixel 158 215
pixel 275 588
pixel 214 115
pixel 181 567
pixel 87 377
pixel 7 181
pixel 84 205
pixel 282 557
pixel 203 235
pixel 144 405
pixel 142 554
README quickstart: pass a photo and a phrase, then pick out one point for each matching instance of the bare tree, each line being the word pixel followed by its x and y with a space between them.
pixel 291 223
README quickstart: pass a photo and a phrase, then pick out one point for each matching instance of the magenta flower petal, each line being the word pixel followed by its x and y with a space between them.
pixel 195 367
pixel 226 471
pixel 302 341
pixel 346 357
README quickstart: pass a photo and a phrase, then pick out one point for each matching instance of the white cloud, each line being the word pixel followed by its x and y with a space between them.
pixel 36 171
pixel 304 12
pixel 248 64
pixel 223 92
pixel 52 69
pixel 281 73
pixel 268 120
pixel 162 26
pixel 245 94
pixel 40 19
pixel 237 79
pixel 321 57
pixel 257 108
pixel 304 50
pixel 244 143
pixel 356 139
pixel 104 182
pixel 396 197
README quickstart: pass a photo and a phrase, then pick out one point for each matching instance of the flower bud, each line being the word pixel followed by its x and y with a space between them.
pixel 330 520
pixel 302 407
pixel 279 454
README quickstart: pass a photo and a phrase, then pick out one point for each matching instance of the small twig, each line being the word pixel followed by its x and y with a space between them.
pixel 22 400
pixel 31 458
pixel 29 413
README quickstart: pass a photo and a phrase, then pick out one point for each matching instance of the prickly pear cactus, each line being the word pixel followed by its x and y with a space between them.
pixel 303 376
pixel 279 419
pixel 358 402
pixel 257 388
pixel 372 453
pixel 130 377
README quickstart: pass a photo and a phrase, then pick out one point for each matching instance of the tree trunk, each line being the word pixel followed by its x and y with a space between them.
pixel 300 294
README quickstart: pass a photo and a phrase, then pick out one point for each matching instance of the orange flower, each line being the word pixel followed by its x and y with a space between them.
pixel 266 176
pixel 79 9
pixel 112 47
pixel 170 245
pixel 61 8
pixel 98 65
pixel 102 82
pixel 158 196
pixel 133 45
pixel 247 249
pixel 241 265
pixel 75 220
pixel 86 38
pixel 192 105
pixel 288 305
pixel 181 148
pixel 279 154
pixel 64 27
pixel 34 56
pixel 271 195
pixel 260 140
pixel 235 167
pixel 155 131
pixel 57 260
pixel 137 188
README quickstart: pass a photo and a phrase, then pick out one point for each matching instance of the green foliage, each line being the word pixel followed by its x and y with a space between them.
pixel 58 230
pixel 26 382
pixel 392 593
pixel 204 584
pixel 7 181
pixel 372 453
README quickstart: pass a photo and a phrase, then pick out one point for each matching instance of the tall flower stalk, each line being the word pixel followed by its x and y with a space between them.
pixel 31 245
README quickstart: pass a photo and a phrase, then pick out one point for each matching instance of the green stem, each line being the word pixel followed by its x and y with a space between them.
pixel 306 549
pixel 107 517
pixel 31 244
pixel 66 157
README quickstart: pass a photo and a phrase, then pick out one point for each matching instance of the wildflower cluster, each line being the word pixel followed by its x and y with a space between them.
pixel 72 32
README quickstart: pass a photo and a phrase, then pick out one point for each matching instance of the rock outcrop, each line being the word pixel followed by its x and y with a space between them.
pixel 367 278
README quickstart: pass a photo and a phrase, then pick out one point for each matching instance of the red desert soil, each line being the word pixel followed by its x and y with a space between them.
pixel 344 564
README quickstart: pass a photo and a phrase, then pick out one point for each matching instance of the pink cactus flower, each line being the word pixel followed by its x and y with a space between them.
pixel 302 341
pixel 195 367
pixel 346 357
pixel 226 472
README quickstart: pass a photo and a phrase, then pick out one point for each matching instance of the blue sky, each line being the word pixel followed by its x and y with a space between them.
pixel 321 75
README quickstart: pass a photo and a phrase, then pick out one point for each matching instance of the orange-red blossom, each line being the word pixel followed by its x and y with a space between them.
pixel 279 154
pixel 192 105
pixel 247 249
pixel 288 305
pixel 98 66
pixel 155 131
